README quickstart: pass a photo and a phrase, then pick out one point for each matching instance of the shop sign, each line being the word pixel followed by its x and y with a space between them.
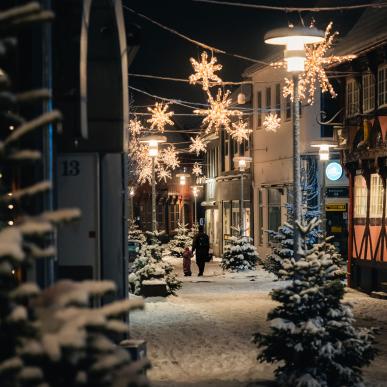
pixel 334 171
pixel 336 207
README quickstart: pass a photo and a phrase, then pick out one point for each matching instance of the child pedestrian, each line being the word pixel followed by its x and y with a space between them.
pixel 187 255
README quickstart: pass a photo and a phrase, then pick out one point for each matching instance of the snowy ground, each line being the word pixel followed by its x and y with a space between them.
pixel 202 337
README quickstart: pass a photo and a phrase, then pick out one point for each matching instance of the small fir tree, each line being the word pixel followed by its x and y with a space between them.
pixel 312 334
pixel 134 232
pixel 281 240
pixel 180 241
pixel 150 265
pixel 240 254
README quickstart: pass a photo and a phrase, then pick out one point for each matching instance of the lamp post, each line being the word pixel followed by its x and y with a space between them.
pixel 242 162
pixel 153 151
pixel 182 181
pixel 295 39
pixel 195 191
pixel 323 153
pixel 131 194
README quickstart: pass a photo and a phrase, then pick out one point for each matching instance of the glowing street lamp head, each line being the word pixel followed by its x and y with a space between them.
pixel 153 144
pixel 183 178
pixel 242 162
pixel 294 39
pixel 324 148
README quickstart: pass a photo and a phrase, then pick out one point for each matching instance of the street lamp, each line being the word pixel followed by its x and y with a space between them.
pixel 182 181
pixel 195 192
pixel 242 162
pixel 323 152
pixel 295 39
pixel 153 151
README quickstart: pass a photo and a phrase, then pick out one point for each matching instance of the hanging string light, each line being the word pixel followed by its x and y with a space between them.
pixel 271 122
pixel 168 157
pixel 218 115
pixel 315 68
pixel 205 71
pixel 197 169
pixel 160 116
pixel 198 145
pixel 239 131
pixel 164 174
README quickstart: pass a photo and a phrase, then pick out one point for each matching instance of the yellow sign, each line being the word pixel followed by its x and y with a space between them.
pixel 336 207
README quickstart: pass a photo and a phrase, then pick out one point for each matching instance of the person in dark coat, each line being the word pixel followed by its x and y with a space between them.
pixel 201 245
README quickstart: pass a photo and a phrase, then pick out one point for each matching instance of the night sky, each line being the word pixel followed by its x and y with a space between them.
pixel 233 29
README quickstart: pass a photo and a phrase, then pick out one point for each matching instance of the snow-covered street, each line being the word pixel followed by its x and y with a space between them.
pixel 202 337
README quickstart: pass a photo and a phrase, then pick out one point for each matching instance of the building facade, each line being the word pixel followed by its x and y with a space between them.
pixel 222 201
pixel 272 152
pixel 362 138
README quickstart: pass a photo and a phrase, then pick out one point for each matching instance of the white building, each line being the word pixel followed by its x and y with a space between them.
pixel 272 152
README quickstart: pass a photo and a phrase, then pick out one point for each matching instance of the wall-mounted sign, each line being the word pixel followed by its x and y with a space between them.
pixel 334 171
pixel 336 207
pixel 337 192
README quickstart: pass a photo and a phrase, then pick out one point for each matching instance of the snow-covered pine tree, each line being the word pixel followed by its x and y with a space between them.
pixel 312 334
pixel 49 338
pixel 180 241
pixel 153 245
pixel 281 240
pixel 134 232
pixel 239 254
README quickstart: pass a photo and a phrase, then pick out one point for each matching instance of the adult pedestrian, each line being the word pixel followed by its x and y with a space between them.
pixel 201 245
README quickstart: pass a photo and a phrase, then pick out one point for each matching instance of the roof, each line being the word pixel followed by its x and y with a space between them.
pixel 277 56
pixel 369 32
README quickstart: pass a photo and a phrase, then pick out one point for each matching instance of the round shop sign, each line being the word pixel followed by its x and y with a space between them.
pixel 334 171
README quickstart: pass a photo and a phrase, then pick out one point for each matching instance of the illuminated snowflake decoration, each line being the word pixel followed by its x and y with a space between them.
pixel 205 71
pixel 197 169
pixel 315 65
pixel 160 116
pixel 239 131
pixel 164 174
pixel 198 145
pixel 135 127
pixel 218 115
pixel 168 157
pixel 271 122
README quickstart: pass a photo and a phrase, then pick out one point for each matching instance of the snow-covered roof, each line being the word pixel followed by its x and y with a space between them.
pixel 369 32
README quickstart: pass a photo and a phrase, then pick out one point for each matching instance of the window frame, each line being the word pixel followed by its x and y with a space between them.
pixel 382 68
pixel 376 196
pixel 352 104
pixel 360 195
pixel 368 100
pixel 259 109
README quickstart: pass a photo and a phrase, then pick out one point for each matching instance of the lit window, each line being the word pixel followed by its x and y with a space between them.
pixel 382 86
pixel 360 197
pixel 352 98
pixel 368 92
pixel 376 196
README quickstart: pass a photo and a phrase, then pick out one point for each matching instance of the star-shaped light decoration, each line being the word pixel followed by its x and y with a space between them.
pixel 205 71
pixel 197 169
pixel 239 131
pixel 160 116
pixel 198 145
pixel 168 156
pixel 315 68
pixel 164 174
pixel 135 127
pixel 218 115
pixel 271 122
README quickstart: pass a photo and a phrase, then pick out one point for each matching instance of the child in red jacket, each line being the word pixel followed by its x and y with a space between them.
pixel 187 255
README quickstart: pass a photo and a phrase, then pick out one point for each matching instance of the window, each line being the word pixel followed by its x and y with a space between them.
pixel 259 108
pixel 268 100
pixel 173 216
pixel 260 217
pixel 226 145
pixel 226 218
pixel 288 108
pixel 278 99
pixel 360 198
pixel 235 214
pixel 352 98
pixel 246 205
pixel 368 92
pixel 376 196
pixel 382 86
pixel 274 206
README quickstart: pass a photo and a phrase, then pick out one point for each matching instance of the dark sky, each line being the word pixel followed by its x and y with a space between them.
pixel 233 29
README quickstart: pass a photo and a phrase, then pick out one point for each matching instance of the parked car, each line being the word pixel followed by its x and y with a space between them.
pixel 133 249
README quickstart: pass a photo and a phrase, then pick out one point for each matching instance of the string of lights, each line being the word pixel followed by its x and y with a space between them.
pixel 287 9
